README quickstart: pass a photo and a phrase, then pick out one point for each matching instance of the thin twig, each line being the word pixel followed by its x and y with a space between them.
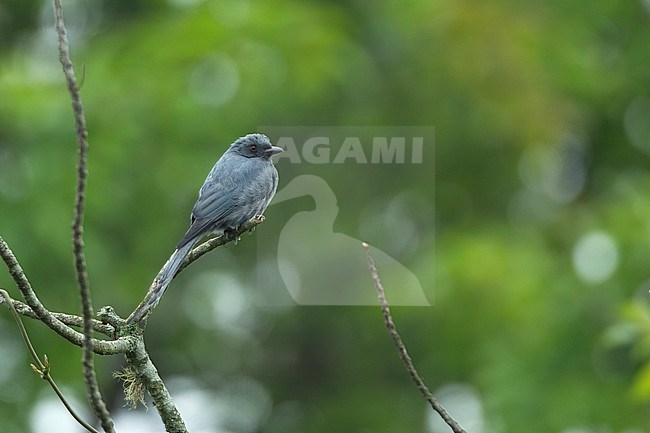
pixel 406 359
pixel 42 368
pixel 94 395
pixel 68 319
pixel 121 345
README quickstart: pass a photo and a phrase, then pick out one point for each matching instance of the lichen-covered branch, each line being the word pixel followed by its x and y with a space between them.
pixel 100 347
pixel 145 373
pixel 406 359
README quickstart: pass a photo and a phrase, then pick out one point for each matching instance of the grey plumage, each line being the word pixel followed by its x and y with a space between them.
pixel 240 186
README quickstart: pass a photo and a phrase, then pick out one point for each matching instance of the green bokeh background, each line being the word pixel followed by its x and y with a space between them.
pixel 534 255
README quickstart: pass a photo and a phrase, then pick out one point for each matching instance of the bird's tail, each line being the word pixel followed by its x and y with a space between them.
pixel 161 282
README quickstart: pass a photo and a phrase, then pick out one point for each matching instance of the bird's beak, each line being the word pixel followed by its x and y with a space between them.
pixel 274 150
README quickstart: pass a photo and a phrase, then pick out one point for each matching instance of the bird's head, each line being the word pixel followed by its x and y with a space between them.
pixel 255 146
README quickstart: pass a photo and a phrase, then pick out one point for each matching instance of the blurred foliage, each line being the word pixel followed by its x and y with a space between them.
pixel 536 262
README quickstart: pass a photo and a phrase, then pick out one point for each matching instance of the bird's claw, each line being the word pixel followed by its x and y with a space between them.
pixel 258 219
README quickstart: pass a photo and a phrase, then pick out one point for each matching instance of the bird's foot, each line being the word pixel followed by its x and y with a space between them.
pixel 230 232
pixel 258 219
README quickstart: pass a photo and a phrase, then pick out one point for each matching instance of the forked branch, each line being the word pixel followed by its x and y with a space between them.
pixel 121 345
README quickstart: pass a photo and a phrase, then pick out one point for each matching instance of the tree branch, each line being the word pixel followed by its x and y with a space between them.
pixel 145 373
pixel 201 250
pixel 94 395
pixel 141 373
pixel 406 359
pixel 218 241
pixel 100 347
pixel 132 344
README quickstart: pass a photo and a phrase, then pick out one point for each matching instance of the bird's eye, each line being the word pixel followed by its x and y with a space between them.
pixel 253 148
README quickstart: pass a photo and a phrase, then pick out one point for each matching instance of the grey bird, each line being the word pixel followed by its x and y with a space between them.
pixel 240 186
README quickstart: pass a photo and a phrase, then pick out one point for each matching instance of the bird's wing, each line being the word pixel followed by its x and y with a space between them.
pixel 217 199
pixel 208 211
